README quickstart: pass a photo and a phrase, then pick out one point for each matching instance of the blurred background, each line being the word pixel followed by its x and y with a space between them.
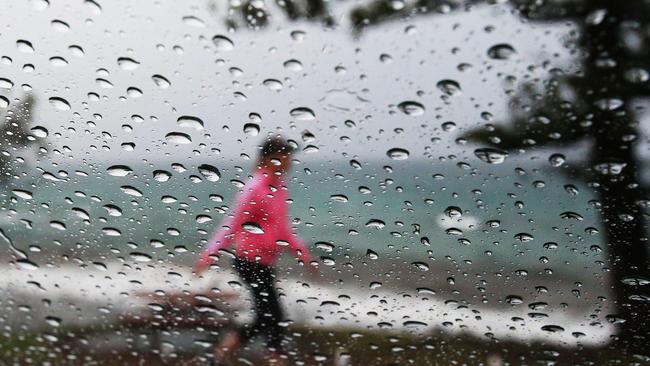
pixel 471 179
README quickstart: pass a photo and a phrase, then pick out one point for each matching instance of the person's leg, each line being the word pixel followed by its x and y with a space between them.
pixel 271 314
pixel 235 339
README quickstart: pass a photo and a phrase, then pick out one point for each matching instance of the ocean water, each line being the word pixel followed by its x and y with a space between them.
pixel 496 214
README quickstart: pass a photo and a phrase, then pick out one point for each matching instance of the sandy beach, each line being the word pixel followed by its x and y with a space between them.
pixel 70 296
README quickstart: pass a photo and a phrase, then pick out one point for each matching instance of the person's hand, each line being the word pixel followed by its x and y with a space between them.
pixel 200 267
pixel 314 271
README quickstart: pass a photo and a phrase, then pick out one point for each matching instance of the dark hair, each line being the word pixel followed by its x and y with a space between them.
pixel 276 145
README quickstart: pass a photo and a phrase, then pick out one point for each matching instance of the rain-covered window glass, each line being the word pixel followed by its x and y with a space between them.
pixel 310 182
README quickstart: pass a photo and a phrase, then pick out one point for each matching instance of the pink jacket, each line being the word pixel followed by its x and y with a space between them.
pixel 259 225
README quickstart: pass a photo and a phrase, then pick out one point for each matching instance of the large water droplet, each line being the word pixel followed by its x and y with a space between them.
pixel 119 170
pixel 293 65
pixel 161 175
pixel 59 104
pixel 6 83
pixel 421 266
pixel 178 138
pixel 398 153
pixel 514 300
pixel 273 84
pixel 524 237
pixel 411 108
pixel 223 43
pixel 453 212
pixel 490 155
pixel 161 81
pixel 449 87
pixel 210 172
pixel 253 227
pixel 252 129
pixel 24 46
pixel 302 114
pixel 501 51
pixel 26 195
pixel 190 122
pixel 127 63
pixel 140 257
pixel 193 21
pixel 375 224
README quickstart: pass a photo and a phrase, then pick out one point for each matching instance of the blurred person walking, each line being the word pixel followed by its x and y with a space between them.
pixel 259 229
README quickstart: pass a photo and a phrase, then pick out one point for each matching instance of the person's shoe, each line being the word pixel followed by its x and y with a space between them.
pixel 275 359
pixel 226 348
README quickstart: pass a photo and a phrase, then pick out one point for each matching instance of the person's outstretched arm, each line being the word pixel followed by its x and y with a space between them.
pixel 296 245
pixel 223 237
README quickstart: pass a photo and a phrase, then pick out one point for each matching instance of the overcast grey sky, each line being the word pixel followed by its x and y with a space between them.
pixel 342 78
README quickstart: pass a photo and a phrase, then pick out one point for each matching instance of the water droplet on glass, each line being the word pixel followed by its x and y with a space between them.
pixel 193 21
pixel 421 266
pixel 524 237
pixel 501 51
pixel 610 167
pixel 127 63
pixel 113 210
pixel 24 46
pixel 552 328
pixel 398 153
pixel 133 92
pixel 490 155
pixel 59 104
pixel 298 35
pixel 253 227
pixel 94 7
pixel 375 224
pixel 449 87
pixel 293 65
pixel 273 84
pixel 26 195
pixel 569 215
pixel 40 5
pixel 178 138
pixel 557 160
pixel 637 75
pixel 60 26
pixel 6 83
pixel 140 257
pixel 514 300
pixel 223 43
pixel 339 198
pixel 58 61
pixel 411 108
pixel 119 170
pixel 161 175
pixel 453 212
pixel 161 81
pixel 58 225
pixel 251 129
pixel 302 114
pixel 111 231
pixel 53 321
pixel 131 191
pixel 324 246
pixel 190 122
pixel 210 172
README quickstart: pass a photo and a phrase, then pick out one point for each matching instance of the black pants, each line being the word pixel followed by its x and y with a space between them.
pixel 259 279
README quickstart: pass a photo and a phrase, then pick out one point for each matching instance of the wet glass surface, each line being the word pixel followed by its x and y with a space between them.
pixel 470 179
